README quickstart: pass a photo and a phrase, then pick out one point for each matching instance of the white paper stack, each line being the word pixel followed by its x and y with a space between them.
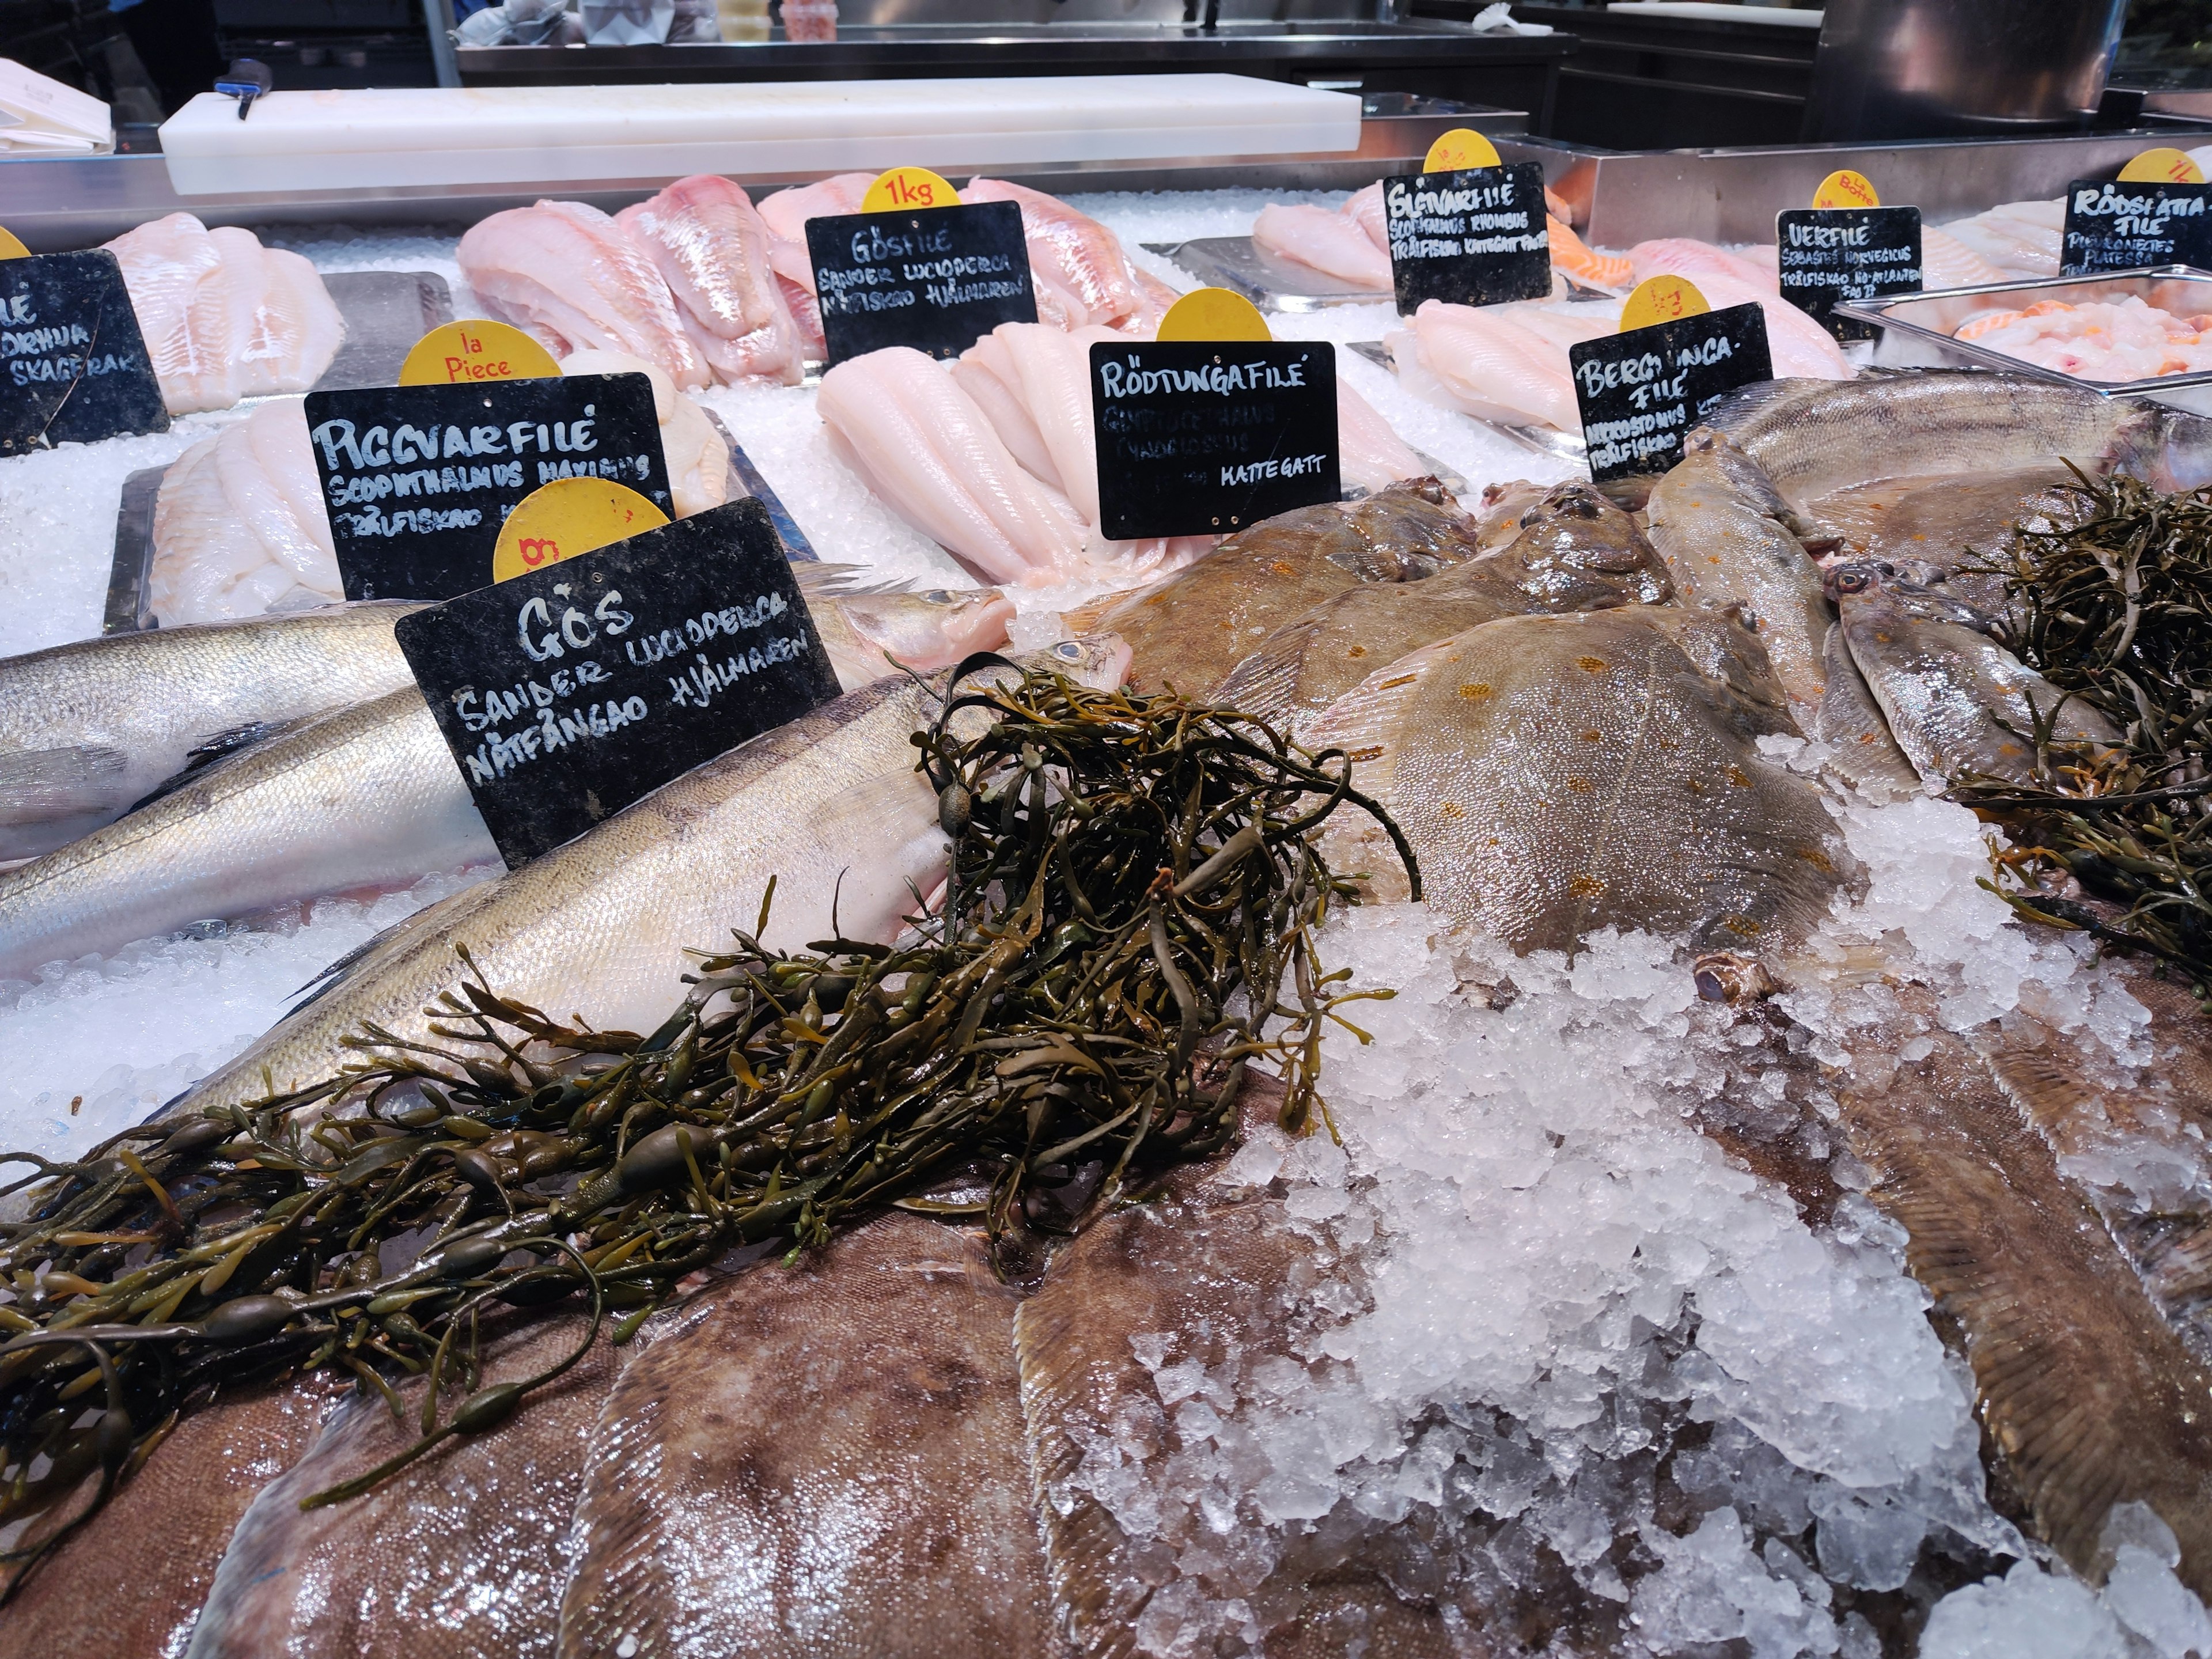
pixel 39 116
pixel 516 135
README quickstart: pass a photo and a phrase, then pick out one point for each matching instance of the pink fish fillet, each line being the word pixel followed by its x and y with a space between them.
pixel 576 279
pixel 1365 210
pixel 899 420
pixel 703 236
pixel 163 262
pixel 1681 256
pixel 787 210
pixel 1799 347
pixel 806 312
pixel 1072 251
pixel 1371 454
pixel 1327 242
pixel 1492 369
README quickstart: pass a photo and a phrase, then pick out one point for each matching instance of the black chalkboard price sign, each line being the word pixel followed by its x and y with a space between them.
pixel 73 365
pixel 417 479
pixel 566 693
pixel 1472 238
pixel 1201 437
pixel 2118 226
pixel 937 279
pixel 1828 254
pixel 1642 391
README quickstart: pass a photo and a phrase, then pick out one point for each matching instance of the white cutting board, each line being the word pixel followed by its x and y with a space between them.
pixel 367 140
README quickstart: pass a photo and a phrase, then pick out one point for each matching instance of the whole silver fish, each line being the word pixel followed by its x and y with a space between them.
pixel 869 636
pixel 86 729
pixel 1814 437
pixel 831 805
pixel 1955 700
pixel 364 797
pixel 1560 774
pixel 1728 540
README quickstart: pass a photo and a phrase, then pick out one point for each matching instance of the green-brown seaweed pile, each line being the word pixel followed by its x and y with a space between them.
pixel 1128 926
pixel 2117 611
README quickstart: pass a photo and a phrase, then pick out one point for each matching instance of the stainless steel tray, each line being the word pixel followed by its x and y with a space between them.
pixel 1242 266
pixel 1542 439
pixel 385 313
pixel 1916 328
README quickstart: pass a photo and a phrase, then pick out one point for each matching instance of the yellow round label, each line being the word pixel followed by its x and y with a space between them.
pixel 460 354
pixel 11 246
pixel 1213 313
pixel 1846 189
pixel 1662 299
pixel 908 187
pixel 1458 150
pixel 2162 167
pixel 566 517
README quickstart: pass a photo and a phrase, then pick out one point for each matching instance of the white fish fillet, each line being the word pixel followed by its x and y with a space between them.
pixel 1365 210
pixel 899 420
pixel 787 211
pixel 1333 242
pixel 224 317
pixel 1947 262
pixel 698 460
pixel 986 372
pixel 240 526
pixel 1683 255
pixel 1370 455
pixel 1485 367
pixel 577 280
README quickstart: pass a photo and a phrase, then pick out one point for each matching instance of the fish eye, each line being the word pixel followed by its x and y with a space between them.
pixel 1067 651
pixel 937 596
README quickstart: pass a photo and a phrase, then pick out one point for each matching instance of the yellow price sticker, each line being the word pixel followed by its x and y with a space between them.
pixel 1662 299
pixel 908 187
pixel 1213 313
pixel 1460 149
pixel 11 246
pixel 2162 167
pixel 566 517
pixel 463 353
pixel 1846 189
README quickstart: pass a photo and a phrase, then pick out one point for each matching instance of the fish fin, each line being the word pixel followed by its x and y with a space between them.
pixel 2091 1398
pixel 1265 684
pixel 843 581
pixel 37 785
pixel 223 746
pixel 1086 617
pixel 337 972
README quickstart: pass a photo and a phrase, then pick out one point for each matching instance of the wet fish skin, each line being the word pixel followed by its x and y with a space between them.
pixel 2091 1399
pixel 1560 774
pixel 1945 521
pixel 1948 690
pixel 367 796
pixel 1219 1275
pixel 461 1555
pixel 869 636
pixel 132 1580
pixel 1815 437
pixel 86 729
pixel 1724 533
pixel 1192 627
pixel 1852 724
pixel 1575 551
pixel 831 804
pixel 838 1447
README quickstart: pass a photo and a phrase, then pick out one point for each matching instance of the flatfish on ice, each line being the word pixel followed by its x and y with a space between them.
pixel 824 1462
pixel 1560 774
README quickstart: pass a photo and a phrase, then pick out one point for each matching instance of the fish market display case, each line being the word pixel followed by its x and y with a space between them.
pixel 55 204
pixel 1337 43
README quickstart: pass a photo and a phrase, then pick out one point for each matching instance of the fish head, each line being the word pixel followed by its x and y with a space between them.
pixel 1910 589
pixel 933 629
pixel 1578 551
pixel 1498 515
pixel 1853 578
pixel 1099 661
